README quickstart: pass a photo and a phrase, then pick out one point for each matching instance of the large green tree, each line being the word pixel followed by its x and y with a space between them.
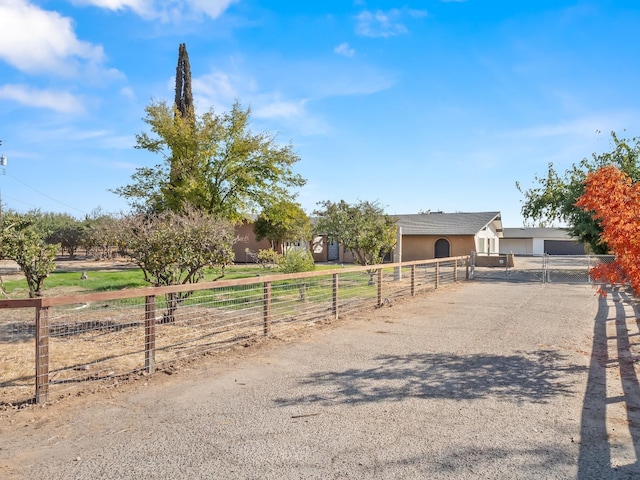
pixel 553 197
pixel 282 221
pixel 363 227
pixel 223 167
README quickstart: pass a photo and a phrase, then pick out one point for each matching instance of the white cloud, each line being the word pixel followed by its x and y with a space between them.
pixel 385 24
pixel 218 89
pixel 59 101
pixel 380 24
pixel 344 49
pixel 581 127
pixel 41 41
pixel 213 8
pixel 127 92
pixel 280 109
pixel 165 10
pixel 135 5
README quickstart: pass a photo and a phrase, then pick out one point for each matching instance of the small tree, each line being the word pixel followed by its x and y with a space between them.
pixel 612 199
pixel 280 222
pixel 363 228
pixel 298 260
pixel 102 232
pixel 69 237
pixel 175 249
pixel 23 243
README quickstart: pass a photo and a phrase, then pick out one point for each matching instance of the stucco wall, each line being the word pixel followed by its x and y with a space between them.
pixel 487 240
pixel 422 247
pixel 247 239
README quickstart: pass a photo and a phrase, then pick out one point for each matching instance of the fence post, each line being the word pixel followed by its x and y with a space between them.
pixel 413 280
pixel 455 270
pixel 266 308
pixel 437 274
pixel 150 333
pixel 380 286
pixel 335 296
pixel 42 354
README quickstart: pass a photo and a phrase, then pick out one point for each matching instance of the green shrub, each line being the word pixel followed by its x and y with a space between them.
pixel 297 260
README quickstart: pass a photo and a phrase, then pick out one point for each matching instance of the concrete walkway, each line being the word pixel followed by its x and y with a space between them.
pixel 486 379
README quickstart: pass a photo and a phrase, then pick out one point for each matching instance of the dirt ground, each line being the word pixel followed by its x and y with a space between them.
pixel 10 269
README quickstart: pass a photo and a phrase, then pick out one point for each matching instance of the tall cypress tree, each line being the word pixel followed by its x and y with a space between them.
pixel 183 156
pixel 184 96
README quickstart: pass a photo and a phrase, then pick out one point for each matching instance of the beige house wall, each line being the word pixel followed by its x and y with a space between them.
pixel 423 247
pixel 247 240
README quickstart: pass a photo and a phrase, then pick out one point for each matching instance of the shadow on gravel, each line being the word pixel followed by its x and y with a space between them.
pixel 595 447
pixel 526 377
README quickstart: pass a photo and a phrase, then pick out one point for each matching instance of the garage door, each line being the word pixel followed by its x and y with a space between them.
pixel 563 247
pixel 517 246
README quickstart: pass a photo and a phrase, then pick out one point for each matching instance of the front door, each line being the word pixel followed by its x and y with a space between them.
pixel 443 249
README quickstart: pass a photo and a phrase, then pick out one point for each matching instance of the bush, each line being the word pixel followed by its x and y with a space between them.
pixel 297 260
pixel 269 258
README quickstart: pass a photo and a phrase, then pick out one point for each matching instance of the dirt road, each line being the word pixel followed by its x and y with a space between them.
pixel 480 380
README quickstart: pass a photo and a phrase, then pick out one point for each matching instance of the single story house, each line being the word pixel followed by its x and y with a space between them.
pixel 538 241
pixel 430 235
pixel 438 235
pixel 421 236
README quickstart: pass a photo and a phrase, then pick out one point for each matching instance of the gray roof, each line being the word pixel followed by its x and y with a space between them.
pixel 447 223
pixel 548 233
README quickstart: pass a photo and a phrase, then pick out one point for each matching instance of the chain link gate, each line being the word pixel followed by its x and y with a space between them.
pixel 571 268
pixel 542 269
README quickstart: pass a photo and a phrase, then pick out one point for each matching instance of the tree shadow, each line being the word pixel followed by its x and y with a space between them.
pixel 526 377
pixel 595 445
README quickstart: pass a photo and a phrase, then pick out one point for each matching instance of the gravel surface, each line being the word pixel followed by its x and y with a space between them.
pixel 486 379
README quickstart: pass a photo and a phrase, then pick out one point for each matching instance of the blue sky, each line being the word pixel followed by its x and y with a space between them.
pixel 439 105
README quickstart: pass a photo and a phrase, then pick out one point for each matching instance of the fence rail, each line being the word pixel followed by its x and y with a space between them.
pixel 83 338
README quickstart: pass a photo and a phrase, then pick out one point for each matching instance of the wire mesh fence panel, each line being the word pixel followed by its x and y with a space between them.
pixel 207 320
pixel 17 350
pixel 356 290
pixel 122 334
pixel 572 269
pixel 89 342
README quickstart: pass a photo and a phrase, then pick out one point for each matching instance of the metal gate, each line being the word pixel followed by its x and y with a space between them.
pixel 571 268
pixel 543 269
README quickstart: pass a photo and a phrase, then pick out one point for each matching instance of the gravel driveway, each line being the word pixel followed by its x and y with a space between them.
pixel 485 379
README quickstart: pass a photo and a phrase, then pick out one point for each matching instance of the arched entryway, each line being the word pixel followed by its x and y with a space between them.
pixel 443 249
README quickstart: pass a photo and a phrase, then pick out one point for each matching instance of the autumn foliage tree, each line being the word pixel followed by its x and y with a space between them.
pixel 613 199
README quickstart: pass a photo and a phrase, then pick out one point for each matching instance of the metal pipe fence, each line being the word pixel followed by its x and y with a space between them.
pixel 55 345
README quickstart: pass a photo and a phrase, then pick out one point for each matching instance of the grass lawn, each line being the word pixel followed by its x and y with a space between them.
pixel 67 283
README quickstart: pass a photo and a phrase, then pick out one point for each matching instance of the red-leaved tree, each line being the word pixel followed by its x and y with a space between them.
pixel 614 200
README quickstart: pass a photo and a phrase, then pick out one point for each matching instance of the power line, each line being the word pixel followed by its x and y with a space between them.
pixel 44 194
